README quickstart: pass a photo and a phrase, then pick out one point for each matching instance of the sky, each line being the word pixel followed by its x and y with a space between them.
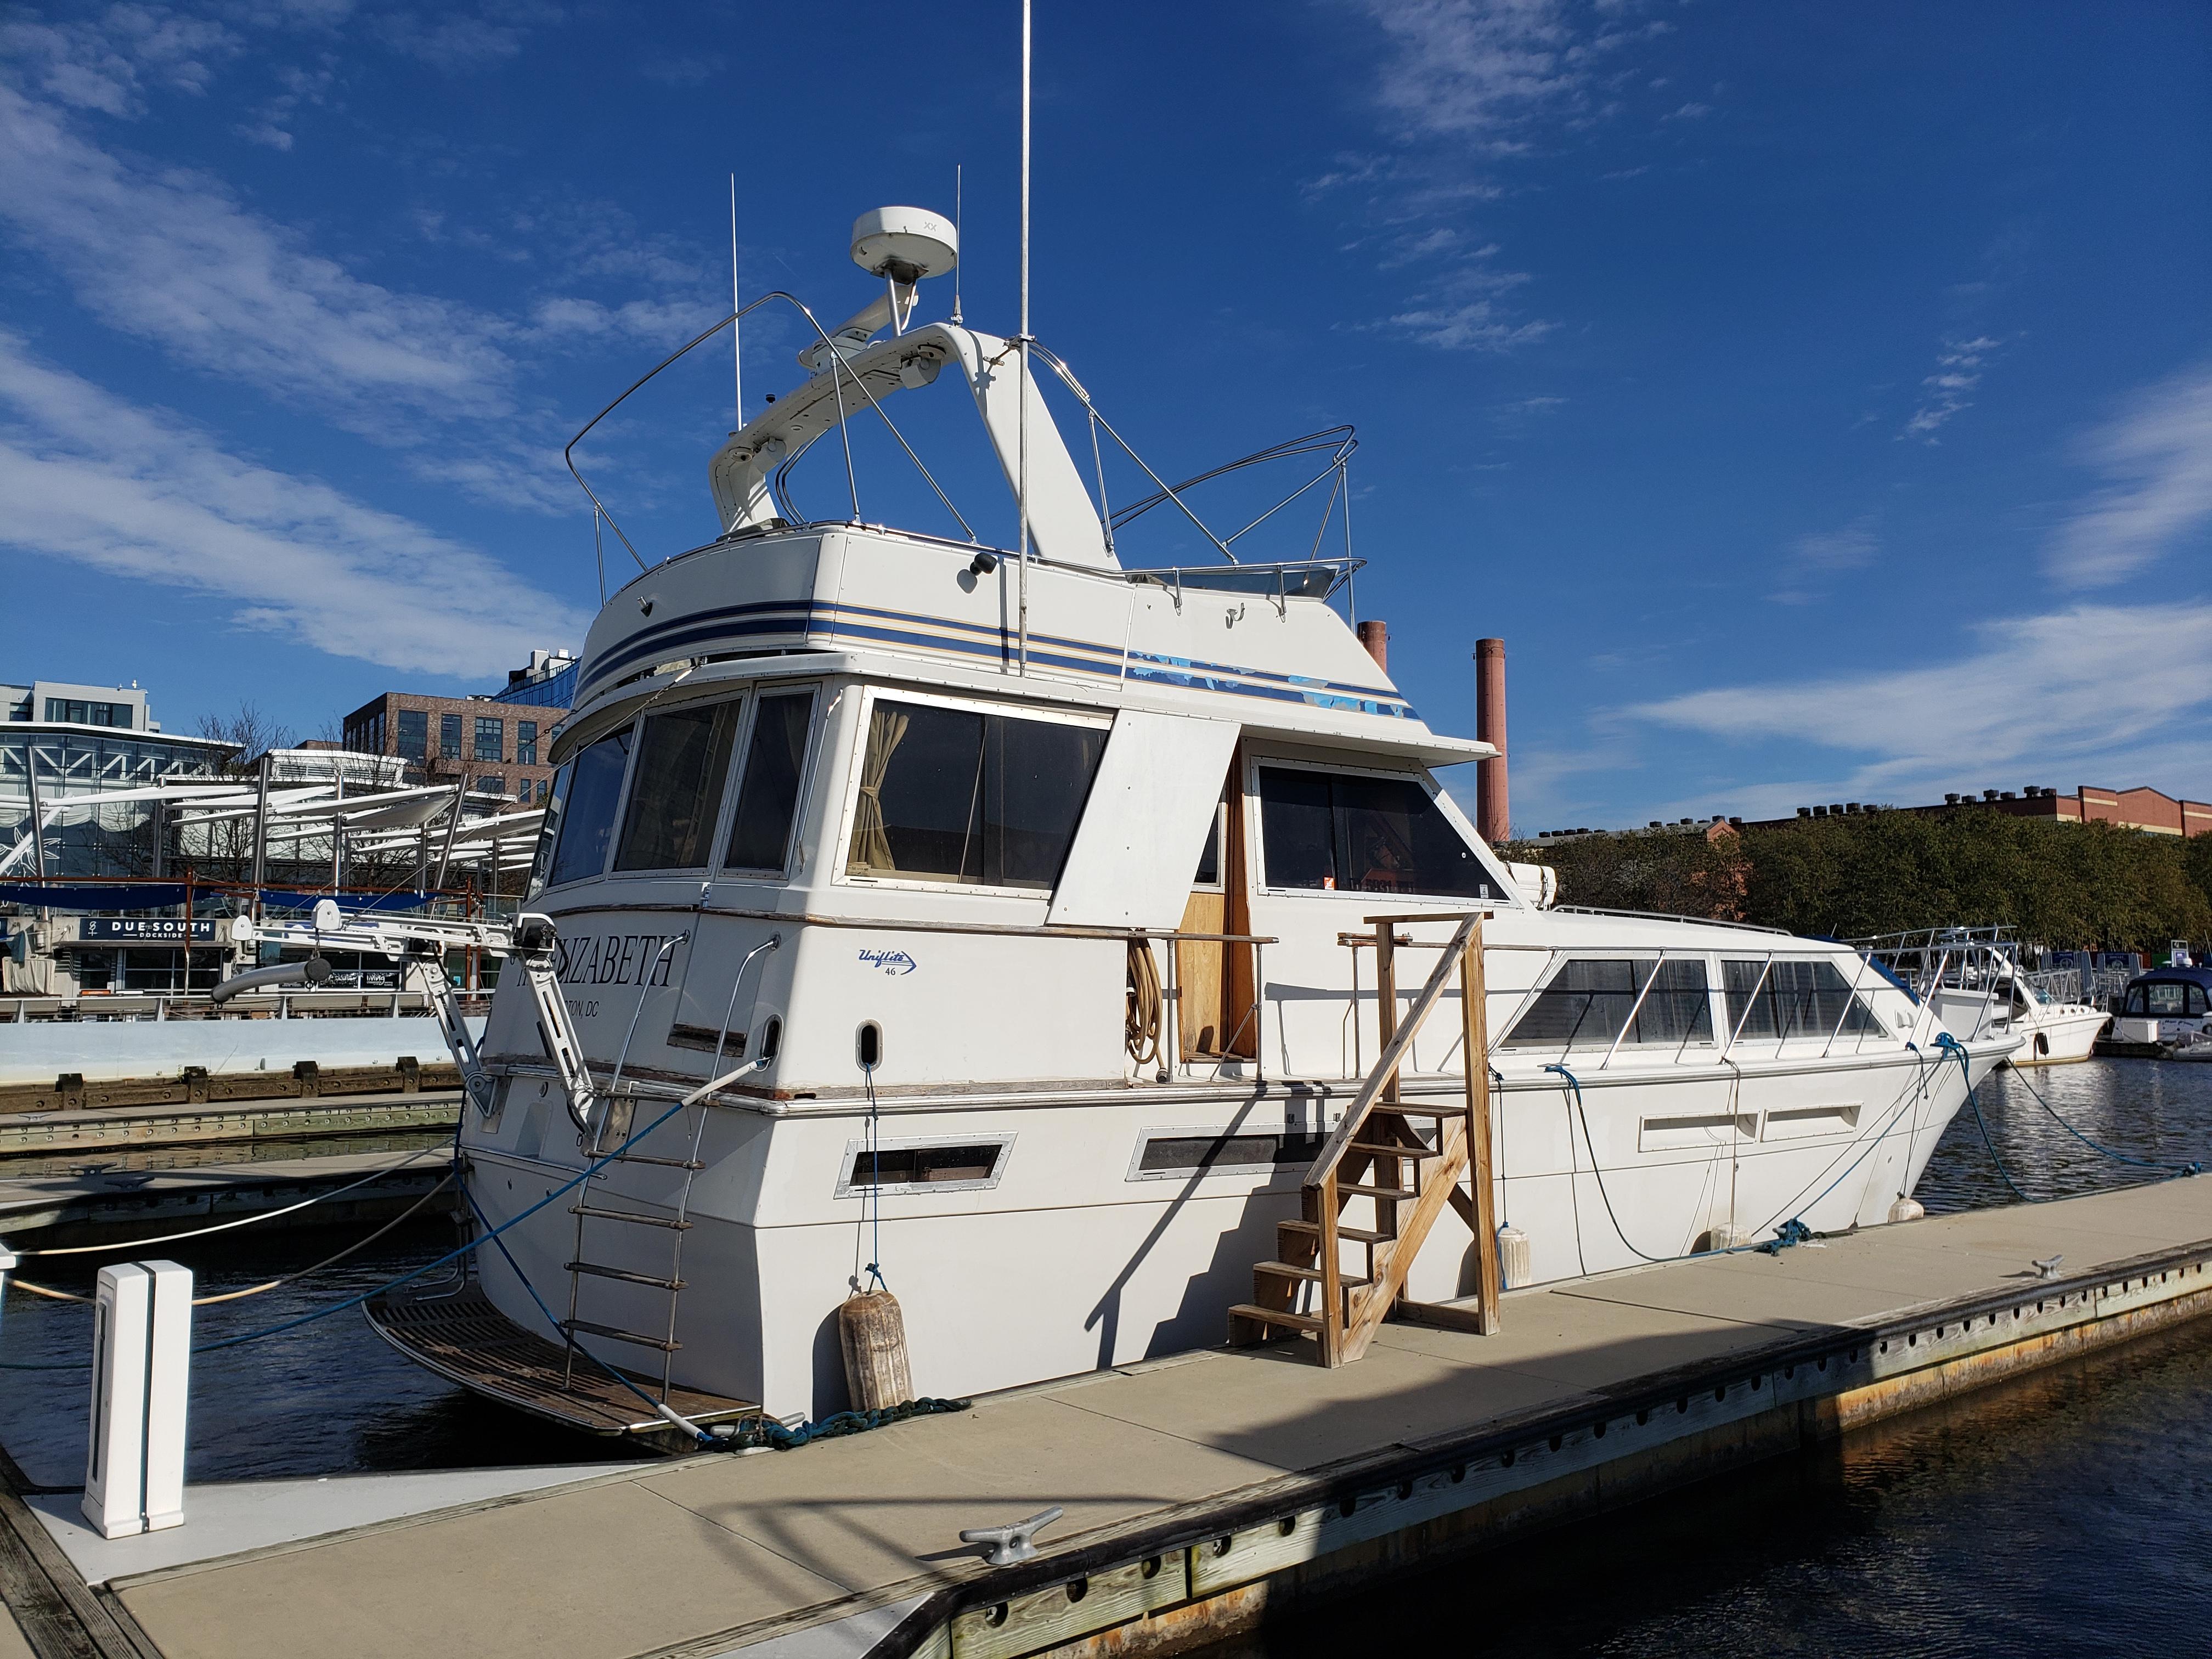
pixel 1818 401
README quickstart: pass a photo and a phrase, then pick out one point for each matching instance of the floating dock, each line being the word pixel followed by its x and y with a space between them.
pixel 1203 1492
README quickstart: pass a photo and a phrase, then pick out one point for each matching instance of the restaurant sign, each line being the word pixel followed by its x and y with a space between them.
pixel 143 930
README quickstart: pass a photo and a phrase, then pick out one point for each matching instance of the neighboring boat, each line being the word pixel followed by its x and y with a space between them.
pixel 1973 979
pixel 1039 898
pixel 2169 1009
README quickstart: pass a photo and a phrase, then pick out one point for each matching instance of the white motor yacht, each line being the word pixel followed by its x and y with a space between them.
pixel 1039 898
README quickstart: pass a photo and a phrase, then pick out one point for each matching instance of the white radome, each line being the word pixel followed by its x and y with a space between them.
pixel 887 237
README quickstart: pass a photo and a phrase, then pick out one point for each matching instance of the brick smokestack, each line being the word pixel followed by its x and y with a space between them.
pixel 1493 815
pixel 1376 636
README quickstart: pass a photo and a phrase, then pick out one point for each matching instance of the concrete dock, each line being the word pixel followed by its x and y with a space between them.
pixel 1203 1492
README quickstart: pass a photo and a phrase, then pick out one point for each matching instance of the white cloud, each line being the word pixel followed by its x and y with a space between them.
pixel 1851 548
pixel 1944 394
pixel 2157 459
pixel 2086 691
pixel 171 257
pixel 140 493
pixel 1477 69
pixel 1690 112
pixel 106 63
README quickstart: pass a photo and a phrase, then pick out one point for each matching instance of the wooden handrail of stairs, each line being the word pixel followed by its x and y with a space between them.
pixel 1363 1158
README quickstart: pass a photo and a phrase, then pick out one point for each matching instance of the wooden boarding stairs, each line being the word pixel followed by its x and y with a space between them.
pixel 1402 1159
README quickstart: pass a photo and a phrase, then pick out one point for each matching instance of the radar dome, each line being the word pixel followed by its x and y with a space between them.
pixel 905 244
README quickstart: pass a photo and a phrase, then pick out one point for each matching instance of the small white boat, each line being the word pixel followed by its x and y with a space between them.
pixel 1039 897
pixel 1973 979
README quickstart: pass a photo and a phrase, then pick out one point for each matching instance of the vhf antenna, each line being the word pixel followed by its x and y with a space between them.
pixel 956 237
pixel 737 324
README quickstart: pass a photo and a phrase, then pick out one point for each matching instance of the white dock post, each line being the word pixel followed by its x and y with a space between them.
pixel 134 1475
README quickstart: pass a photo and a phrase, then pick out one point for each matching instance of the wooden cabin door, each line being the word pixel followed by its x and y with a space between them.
pixel 1215 1015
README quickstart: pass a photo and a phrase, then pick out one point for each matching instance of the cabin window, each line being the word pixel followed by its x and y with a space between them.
pixel 1163 1155
pixel 586 815
pixel 957 795
pixel 2166 999
pixel 1588 1003
pixel 915 1167
pixel 681 763
pixel 1209 857
pixel 1798 999
pixel 1344 833
pixel 767 790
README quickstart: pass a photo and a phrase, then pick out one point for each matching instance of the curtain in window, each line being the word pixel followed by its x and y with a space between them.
pixel 872 847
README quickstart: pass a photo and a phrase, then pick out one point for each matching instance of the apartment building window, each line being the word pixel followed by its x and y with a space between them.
pixel 366 736
pixel 490 783
pixel 492 737
pixel 449 737
pixel 413 734
pixel 526 743
pixel 78 712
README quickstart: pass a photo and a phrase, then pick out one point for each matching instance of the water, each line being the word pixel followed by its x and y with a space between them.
pixel 328 1398
pixel 2109 1478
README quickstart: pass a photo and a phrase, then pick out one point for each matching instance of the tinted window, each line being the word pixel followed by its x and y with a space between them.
pixel 768 792
pixel 1798 999
pixel 919 1166
pixel 449 737
pixel 948 794
pixel 414 733
pixel 1164 1154
pixel 1364 835
pixel 1209 857
pixel 587 812
pixel 1588 1003
pixel 526 743
pixel 681 763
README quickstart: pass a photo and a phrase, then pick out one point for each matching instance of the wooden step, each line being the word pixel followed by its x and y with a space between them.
pixel 1350 1235
pixel 1414 1109
pixel 661 1343
pixel 1380 1149
pixel 1352 1189
pixel 631 1216
pixel 626 1276
pixel 1309 1323
pixel 1291 1270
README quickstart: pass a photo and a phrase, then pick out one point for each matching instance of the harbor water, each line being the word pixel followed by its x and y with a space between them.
pixel 2078 1502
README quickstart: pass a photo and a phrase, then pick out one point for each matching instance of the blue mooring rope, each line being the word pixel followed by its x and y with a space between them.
pixel 2187 1169
pixel 1951 1045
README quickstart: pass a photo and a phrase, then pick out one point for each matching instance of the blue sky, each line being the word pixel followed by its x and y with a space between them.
pixel 1818 400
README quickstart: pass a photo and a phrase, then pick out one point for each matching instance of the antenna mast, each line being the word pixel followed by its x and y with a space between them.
pixel 956 237
pixel 737 326
pixel 1021 409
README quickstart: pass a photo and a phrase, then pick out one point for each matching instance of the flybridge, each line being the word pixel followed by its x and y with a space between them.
pixel 1065 518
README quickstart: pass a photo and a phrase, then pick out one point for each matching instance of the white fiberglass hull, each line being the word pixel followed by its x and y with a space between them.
pixel 1069 1259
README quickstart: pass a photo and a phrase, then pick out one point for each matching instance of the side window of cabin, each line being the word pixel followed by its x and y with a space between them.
pixel 1360 835
pixel 549 830
pixel 587 817
pixel 958 795
pixel 1591 1001
pixel 768 789
pixel 1793 1000
pixel 681 760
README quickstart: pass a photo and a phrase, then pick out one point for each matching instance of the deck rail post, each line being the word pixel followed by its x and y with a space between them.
pixel 1474 1046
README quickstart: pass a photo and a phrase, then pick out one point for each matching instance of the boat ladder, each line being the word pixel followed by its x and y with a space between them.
pixel 1405 1160
pixel 580 1267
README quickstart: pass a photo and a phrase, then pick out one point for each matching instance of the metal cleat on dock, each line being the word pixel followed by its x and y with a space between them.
pixel 1014 1541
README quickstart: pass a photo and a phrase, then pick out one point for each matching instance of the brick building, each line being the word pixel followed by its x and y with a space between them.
pixel 2151 811
pixel 495 745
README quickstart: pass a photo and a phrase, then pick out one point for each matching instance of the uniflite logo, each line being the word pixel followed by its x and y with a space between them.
pixel 892 962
